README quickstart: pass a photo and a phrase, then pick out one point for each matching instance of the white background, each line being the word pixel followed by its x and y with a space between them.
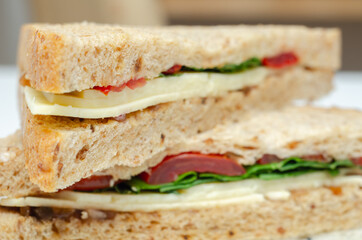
pixel 347 94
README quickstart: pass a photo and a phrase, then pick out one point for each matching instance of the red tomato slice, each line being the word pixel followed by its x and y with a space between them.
pixel 174 69
pixel 281 60
pixel 92 183
pixel 104 90
pixel 357 161
pixel 172 166
pixel 108 89
pixel 135 83
pixel 268 158
pixel 132 84
pixel 118 88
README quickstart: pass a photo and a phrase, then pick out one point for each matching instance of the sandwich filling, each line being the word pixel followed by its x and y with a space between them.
pixel 178 172
pixel 194 180
pixel 178 82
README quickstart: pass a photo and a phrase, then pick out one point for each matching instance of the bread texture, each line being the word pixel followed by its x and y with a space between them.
pixel 60 150
pixel 74 57
pixel 14 178
pixel 307 212
pixel 334 133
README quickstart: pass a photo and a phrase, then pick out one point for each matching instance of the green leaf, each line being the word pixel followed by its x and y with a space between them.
pixel 170 75
pixel 274 176
pixel 170 188
pixel 228 68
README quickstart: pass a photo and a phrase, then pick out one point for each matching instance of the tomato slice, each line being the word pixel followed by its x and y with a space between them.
pixel 172 166
pixel 135 83
pixel 357 161
pixel 104 90
pixel 132 84
pixel 269 158
pixel 174 69
pixel 92 183
pixel 118 88
pixel 108 89
pixel 281 60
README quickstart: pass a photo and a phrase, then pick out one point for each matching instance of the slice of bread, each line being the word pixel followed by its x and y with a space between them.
pixel 293 131
pixel 60 150
pixel 69 57
pixel 305 213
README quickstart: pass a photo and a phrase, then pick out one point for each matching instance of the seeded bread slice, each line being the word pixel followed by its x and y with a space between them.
pixel 60 150
pixel 307 212
pixel 293 131
pixel 70 57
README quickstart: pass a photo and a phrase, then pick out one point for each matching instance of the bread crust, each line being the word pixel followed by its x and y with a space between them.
pixel 56 148
pixel 307 212
pixel 74 57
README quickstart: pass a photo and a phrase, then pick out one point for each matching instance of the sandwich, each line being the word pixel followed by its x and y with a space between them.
pixel 100 96
pixel 281 174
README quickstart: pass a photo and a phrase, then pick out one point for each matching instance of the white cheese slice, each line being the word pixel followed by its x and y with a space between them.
pixel 201 196
pixel 95 104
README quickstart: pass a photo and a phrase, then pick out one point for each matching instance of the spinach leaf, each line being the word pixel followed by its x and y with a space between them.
pixel 170 75
pixel 228 68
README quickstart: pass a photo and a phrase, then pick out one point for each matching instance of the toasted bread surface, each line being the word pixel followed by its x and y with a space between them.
pixel 74 57
pixel 305 213
pixel 60 151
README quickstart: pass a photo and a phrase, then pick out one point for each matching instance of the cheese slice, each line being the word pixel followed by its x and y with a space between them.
pixel 95 104
pixel 201 196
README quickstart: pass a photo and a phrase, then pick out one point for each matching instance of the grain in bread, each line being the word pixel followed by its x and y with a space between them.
pixel 56 148
pixel 305 213
pixel 64 58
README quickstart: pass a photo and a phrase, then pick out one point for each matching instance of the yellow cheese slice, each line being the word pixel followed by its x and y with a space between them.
pixel 95 104
pixel 201 196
